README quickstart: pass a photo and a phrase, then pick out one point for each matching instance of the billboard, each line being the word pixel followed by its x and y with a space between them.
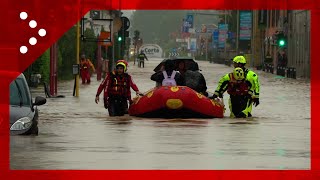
pixel 189 19
pixel 245 25
pixel 223 30
pixel 152 50
pixel 187 23
pixel 215 37
pixel 193 44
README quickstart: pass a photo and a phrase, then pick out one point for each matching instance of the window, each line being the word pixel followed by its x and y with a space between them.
pixel 19 94
pixel 15 96
pixel 24 92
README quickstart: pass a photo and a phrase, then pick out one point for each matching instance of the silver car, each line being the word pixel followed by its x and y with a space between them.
pixel 23 111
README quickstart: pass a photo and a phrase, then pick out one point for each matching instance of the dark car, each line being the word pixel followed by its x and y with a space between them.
pixel 23 111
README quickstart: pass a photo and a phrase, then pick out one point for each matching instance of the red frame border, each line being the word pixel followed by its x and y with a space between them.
pixel 17 32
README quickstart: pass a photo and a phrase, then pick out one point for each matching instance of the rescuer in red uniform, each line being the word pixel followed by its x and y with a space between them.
pixel 85 66
pixel 116 88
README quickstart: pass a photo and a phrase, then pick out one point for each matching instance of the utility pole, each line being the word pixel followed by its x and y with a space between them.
pixel 253 32
pixel 99 62
pixel 53 69
pixel 237 40
pixel 78 58
pixel 225 36
pixel 206 48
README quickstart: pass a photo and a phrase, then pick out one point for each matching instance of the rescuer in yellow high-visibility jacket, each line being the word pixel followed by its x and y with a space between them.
pixel 251 79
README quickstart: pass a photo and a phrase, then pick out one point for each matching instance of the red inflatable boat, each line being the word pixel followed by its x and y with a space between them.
pixel 175 102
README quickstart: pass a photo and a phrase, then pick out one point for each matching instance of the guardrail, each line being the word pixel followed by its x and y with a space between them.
pixel 289 72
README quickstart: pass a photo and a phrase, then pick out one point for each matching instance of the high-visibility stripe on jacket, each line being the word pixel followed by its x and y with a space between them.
pixel 237 87
pixel 84 65
pixel 114 85
pixel 252 77
pixel 224 84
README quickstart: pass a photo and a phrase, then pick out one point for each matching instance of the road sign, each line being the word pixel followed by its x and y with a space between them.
pixel 180 40
pixel 125 23
pixel 192 30
pixel 189 19
pixel 174 50
pixel 173 54
pixel 245 25
pixel 223 29
pixel 215 38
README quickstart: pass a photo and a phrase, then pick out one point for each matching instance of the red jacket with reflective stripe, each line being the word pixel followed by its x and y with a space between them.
pixel 114 84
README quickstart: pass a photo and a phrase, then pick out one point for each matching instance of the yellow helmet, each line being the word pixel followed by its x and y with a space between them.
pixel 240 59
pixel 122 64
pixel 238 73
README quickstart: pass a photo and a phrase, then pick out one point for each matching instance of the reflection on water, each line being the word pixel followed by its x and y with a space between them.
pixel 75 133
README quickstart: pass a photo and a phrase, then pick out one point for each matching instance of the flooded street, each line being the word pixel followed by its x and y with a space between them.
pixel 76 133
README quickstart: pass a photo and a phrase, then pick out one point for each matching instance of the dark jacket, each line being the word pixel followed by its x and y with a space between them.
pixel 142 56
pixel 195 80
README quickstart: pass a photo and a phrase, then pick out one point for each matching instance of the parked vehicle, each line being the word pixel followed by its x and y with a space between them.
pixel 23 111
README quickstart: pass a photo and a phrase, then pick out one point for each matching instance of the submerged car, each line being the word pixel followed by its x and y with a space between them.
pixel 23 111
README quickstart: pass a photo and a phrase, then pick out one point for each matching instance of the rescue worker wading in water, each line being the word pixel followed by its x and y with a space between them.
pixel 116 88
pixel 252 77
pixel 85 66
pixel 240 90
pixel 141 57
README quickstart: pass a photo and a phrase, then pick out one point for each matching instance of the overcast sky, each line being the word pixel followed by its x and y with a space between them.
pixel 127 13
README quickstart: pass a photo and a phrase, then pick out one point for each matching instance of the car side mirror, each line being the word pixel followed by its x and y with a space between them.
pixel 39 101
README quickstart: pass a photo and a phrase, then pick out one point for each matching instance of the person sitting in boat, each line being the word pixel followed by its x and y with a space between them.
pixel 181 67
pixel 167 76
pixel 240 90
pixel 195 80
pixel 116 88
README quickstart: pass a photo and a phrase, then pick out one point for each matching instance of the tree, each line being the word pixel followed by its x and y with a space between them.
pixel 40 66
pixel 66 56
pixel 67 48
pixel 135 38
pixel 89 48
pixel 156 24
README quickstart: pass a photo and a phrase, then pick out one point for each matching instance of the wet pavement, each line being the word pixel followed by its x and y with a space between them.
pixel 76 133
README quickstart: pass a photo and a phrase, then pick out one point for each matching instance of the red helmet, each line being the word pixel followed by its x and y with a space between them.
pixel 124 61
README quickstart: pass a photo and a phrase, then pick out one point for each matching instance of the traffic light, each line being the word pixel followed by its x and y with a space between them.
pixel 282 42
pixel 119 38
pixel 122 34
pixel 281 39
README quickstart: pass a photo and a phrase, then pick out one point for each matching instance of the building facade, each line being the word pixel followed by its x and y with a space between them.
pixel 299 42
pixel 295 25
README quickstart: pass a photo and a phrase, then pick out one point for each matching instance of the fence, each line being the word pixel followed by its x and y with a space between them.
pixel 289 72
